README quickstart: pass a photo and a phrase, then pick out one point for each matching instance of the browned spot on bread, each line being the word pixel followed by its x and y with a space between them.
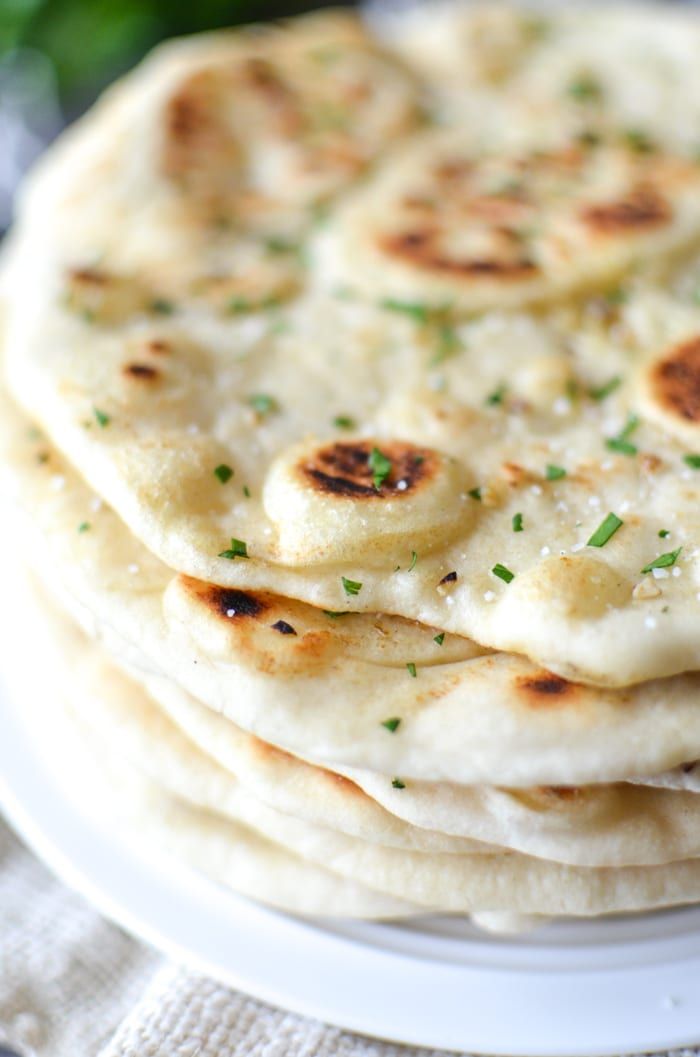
pixel 88 277
pixel 158 347
pixel 141 371
pixel 560 792
pixel 345 783
pixel 421 248
pixel 545 688
pixel 675 381
pixel 643 208
pixel 227 602
pixel 344 469
pixel 283 627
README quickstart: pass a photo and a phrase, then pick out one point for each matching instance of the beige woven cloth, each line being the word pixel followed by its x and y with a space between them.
pixel 73 985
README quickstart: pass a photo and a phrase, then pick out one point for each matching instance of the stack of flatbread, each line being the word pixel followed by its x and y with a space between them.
pixel 351 430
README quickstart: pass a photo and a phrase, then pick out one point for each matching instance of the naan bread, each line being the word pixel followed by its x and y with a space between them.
pixel 125 727
pixel 449 225
pixel 325 691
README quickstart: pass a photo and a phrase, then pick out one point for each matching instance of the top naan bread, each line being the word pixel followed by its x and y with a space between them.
pixel 416 445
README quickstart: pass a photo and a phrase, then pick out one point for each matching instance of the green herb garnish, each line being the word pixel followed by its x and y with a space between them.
pixel 223 472
pixel 101 417
pixel 380 467
pixel 392 724
pixel 605 531
pixel 351 587
pixel 503 573
pixel 447 344
pixel 334 615
pixel 275 244
pixel 663 561
pixel 517 522
pixel 638 140
pixel 663 533
pixel 84 526
pixel 161 306
pixel 414 559
pixel 344 422
pixel 439 638
pixel 417 311
pixel 397 783
pixel 585 89
pixel 238 549
pixel 620 443
pixel 693 461
pixel 554 473
pixel 263 403
pixel 602 391
pixel 496 397
pixel 411 669
pixel 475 493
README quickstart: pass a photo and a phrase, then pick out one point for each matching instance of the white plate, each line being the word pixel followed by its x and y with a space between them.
pixel 611 987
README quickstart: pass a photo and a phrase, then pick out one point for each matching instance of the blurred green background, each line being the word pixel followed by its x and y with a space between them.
pixel 89 42
pixel 56 56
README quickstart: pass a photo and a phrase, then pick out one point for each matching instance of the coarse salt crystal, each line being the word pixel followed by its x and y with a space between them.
pixel 660 574
pixel 230 612
pixel 489 596
pixel 650 622
pixel 133 568
pixel 545 551
pixel 401 486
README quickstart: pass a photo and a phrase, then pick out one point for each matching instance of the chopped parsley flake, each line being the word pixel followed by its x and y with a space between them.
pixel 638 140
pixel 439 638
pixel 334 615
pixel 411 669
pixel 246 491
pixel 414 309
pixel 517 522
pixel 223 472
pixel 693 461
pixel 605 531
pixel 344 422
pixel 663 533
pixel 585 89
pixel 475 493
pixel 238 549
pixel 84 526
pixel 392 724
pixel 414 559
pixel 351 587
pixel 602 391
pixel 162 307
pixel 503 573
pixel 448 344
pixel 397 783
pixel 663 561
pixel 554 473
pixel 621 443
pixel 380 467
pixel 275 244
pixel 101 417
pixel 263 403
pixel 496 397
